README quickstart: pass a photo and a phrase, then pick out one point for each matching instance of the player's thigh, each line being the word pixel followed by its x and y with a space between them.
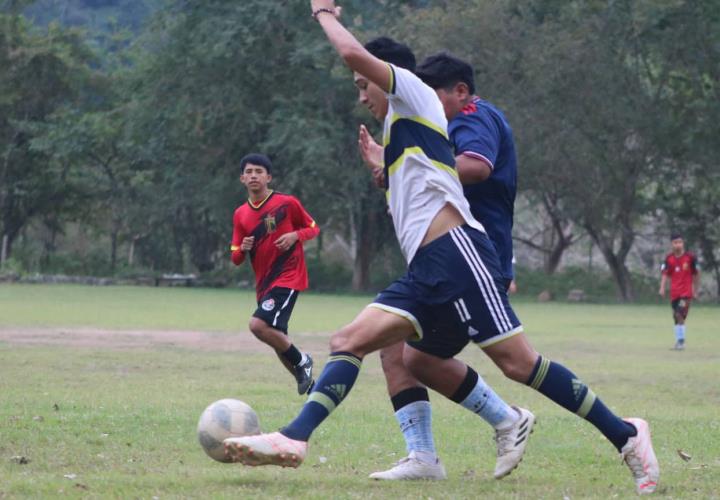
pixel 370 331
pixel 397 375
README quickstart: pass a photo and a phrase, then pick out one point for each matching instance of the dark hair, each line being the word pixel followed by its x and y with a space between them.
pixel 444 71
pixel 392 52
pixel 675 236
pixel 256 159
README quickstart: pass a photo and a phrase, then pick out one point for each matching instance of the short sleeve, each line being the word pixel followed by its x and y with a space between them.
pixel 476 135
pixel 411 91
pixel 666 268
pixel 694 264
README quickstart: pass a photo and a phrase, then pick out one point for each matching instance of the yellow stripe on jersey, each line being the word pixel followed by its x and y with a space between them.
pixel 234 248
pixel 391 89
pixel 416 150
pixel 417 119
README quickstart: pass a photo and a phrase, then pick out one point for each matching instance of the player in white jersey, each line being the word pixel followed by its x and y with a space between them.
pixel 453 288
pixel 448 292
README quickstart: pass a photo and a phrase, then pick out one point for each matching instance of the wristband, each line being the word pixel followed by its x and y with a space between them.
pixel 321 11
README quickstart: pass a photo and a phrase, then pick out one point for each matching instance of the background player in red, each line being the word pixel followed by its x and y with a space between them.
pixel 682 269
pixel 271 228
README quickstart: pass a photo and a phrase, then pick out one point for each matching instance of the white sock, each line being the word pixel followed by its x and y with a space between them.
pixel 415 421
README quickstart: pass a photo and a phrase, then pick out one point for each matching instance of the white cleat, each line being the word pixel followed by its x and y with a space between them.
pixel 266 449
pixel 411 468
pixel 511 443
pixel 639 456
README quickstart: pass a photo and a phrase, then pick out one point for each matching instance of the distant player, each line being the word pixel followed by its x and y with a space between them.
pixel 453 292
pixel 271 228
pixel 682 269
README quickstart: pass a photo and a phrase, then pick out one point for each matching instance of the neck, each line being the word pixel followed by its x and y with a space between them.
pixel 678 253
pixel 258 196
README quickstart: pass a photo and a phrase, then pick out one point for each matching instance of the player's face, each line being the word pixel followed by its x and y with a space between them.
pixel 678 246
pixel 371 96
pixel 256 178
pixel 453 99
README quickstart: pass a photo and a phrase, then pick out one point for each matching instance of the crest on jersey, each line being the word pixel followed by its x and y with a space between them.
pixel 270 224
pixel 268 305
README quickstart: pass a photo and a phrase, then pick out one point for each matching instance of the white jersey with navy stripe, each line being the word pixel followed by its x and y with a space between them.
pixel 419 163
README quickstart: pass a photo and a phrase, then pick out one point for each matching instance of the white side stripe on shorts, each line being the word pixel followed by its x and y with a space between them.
pixel 277 314
pixel 485 283
pixel 460 313
pixel 464 308
pixel 489 278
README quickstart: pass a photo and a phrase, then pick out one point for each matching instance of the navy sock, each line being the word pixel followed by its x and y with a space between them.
pixel 293 355
pixel 333 385
pixel 562 386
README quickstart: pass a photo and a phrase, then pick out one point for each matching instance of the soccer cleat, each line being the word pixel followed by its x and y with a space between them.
pixel 303 375
pixel 511 443
pixel 266 449
pixel 639 456
pixel 679 345
pixel 410 468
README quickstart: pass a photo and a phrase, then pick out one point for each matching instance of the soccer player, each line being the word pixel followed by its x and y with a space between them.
pixel 485 160
pixel 271 228
pixel 453 288
pixel 682 270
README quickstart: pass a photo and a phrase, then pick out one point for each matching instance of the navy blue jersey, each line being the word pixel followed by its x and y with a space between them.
pixel 480 131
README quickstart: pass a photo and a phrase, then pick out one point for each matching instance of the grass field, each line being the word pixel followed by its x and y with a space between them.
pixel 119 421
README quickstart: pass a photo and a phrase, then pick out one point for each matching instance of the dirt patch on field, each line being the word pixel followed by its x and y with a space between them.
pixel 145 339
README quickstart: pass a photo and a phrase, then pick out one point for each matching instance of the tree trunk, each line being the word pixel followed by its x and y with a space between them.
pixel 364 254
pixel 616 260
pixel 708 253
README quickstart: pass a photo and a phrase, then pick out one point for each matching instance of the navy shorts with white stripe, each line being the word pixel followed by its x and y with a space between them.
pixel 453 293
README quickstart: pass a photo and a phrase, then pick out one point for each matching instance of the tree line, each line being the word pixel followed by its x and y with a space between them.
pixel 133 139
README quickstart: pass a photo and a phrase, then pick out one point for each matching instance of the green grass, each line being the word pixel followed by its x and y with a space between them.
pixel 125 418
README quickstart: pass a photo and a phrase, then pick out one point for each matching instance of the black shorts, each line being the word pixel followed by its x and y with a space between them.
pixel 681 306
pixel 276 306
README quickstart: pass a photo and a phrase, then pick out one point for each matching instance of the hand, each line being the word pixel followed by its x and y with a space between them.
pixel 316 5
pixel 372 153
pixel 247 243
pixel 661 292
pixel 287 240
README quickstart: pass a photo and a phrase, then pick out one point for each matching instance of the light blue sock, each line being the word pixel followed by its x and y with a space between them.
pixel 679 332
pixel 415 421
pixel 478 397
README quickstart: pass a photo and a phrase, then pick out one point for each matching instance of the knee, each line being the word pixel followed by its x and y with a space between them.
pixel 340 341
pixel 258 327
pixel 518 368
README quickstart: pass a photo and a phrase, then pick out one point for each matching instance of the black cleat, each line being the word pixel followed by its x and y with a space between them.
pixel 303 375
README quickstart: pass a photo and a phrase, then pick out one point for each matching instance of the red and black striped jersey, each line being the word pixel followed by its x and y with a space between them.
pixel 276 215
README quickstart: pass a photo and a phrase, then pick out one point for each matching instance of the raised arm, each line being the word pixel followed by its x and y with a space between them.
pixel 353 53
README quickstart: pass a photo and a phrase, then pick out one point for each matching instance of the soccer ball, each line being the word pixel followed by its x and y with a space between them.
pixel 223 419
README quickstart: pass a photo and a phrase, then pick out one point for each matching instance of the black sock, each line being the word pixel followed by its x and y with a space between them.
pixel 293 355
pixel 407 396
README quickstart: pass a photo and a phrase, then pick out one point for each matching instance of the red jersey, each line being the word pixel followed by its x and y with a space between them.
pixel 267 220
pixel 680 270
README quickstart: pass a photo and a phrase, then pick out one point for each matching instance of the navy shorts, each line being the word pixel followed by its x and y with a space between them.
pixel 453 293
pixel 276 306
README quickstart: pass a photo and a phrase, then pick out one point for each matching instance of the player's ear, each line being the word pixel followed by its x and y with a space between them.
pixel 462 90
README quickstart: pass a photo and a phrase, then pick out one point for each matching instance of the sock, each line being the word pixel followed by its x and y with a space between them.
pixel 293 355
pixel 475 395
pixel 562 386
pixel 680 333
pixel 414 414
pixel 333 385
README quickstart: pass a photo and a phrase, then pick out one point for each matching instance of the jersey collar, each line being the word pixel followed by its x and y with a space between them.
pixel 258 205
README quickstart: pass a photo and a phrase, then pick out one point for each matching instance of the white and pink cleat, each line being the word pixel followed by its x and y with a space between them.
pixel 639 456
pixel 266 449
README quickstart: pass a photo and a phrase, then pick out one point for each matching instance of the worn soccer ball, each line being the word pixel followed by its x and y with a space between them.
pixel 223 419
